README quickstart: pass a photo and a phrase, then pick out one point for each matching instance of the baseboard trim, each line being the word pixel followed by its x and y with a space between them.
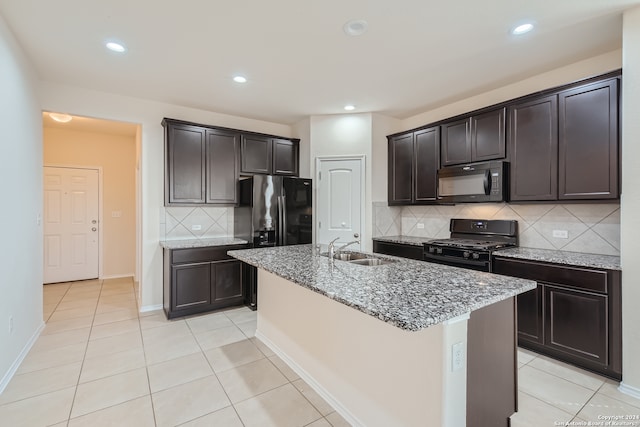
pixel 302 373
pixel 16 363
pixel 118 276
pixel 629 390
pixel 146 308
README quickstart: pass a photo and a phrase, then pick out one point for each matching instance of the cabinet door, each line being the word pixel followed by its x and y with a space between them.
pixel 576 323
pixel 400 169
pixel 530 316
pixel 588 167
pixel 426 162
pixel 533 135
pixel 227 282
pixel 456 144
pixel 285 157
pixel 488 136
pixel 191 285
pixel 185 159
pixel 222 166
pixel 256 154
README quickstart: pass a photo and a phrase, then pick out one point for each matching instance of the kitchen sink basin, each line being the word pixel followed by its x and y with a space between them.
pixel 371 261
pixel 360 258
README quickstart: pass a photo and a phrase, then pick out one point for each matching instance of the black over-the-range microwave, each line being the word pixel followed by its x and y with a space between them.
pixel 474 182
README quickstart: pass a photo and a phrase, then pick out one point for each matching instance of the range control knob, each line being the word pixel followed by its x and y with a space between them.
pixel 439 250
pixel 476 256
pixel 466 254
pixel 431 249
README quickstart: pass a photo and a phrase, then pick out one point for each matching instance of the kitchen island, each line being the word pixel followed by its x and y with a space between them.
pixel 386 344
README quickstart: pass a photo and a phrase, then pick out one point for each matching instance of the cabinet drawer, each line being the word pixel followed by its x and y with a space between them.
pixel 575 277
pixel 207 254
pixel 398 249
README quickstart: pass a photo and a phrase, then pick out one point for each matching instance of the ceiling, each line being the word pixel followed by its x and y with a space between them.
pixel 414 56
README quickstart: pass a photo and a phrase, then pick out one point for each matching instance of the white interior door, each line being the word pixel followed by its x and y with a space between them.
pixel 71 212
pixel 339 205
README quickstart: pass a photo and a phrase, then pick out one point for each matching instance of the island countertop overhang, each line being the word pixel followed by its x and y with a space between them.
pixel 411 295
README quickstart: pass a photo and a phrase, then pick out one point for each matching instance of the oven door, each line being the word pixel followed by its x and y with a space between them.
pixel 477 182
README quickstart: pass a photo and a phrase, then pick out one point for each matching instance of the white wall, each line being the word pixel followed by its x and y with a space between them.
pixel 21 175
pixel 557 77
pixel 302 130
pixel 341 135
pixel 382 126
pixel 630 203
pixel 148 114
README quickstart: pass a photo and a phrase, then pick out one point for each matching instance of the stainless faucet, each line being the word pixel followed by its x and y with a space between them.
pixel 345 245
pixel 332 250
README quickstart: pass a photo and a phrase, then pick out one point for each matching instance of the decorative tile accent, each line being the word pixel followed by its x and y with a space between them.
pixel 386 219
pixel 178 221
pixel 592 228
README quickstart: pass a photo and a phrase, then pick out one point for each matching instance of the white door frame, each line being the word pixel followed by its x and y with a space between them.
pixel 100 193
pixel 363 193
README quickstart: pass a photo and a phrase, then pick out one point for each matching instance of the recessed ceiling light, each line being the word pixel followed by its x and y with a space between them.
pixel 355 27
pixel 240 79
pixel 61 118
pixel 349 107
pixel 116 47
pixel 522 29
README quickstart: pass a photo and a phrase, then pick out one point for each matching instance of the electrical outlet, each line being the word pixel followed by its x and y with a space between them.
pixel 11 324
pixel 196 227
pixel 457 356
pixel 420 225
pixel 561 234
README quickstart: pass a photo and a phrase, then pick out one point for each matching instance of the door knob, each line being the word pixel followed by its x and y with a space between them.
pixel 93 229
pixel 344 224
pixel 356 235
pixel 94 221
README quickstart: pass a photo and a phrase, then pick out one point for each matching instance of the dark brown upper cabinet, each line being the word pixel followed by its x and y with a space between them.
pixel 533 138
pixel 473 139
pixel 267 155
pixel 201 165
pixel 588 142
pixel 185 164
pixel 413 165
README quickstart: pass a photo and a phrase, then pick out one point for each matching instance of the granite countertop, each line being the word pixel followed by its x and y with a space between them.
pixel 578 259
pixel 411 295
pixel 608 262
pixel 405 240
pixel 201 243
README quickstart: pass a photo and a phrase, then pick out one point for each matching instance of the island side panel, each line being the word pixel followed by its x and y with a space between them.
pixel 492 385
pixel 373 373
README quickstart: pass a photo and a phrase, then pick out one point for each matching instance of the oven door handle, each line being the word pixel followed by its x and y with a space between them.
pixel 455 260
pixel 487 182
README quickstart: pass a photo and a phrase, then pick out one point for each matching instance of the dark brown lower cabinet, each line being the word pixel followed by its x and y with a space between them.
pixel 398 249
pixel 574 315
pixel 201 279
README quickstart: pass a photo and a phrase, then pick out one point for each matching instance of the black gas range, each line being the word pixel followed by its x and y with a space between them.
pixel 472 243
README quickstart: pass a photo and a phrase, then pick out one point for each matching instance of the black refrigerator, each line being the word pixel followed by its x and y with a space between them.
pixel 273 211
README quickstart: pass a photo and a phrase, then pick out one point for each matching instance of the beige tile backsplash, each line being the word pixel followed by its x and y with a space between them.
pixel 183 222
pixel 592 228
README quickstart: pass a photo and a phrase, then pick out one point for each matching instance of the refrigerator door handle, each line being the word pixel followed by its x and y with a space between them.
pixel 279 228
pixel 283 221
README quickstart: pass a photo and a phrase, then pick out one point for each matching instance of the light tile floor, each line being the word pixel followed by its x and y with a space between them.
pixel 99 362
pixel 551 393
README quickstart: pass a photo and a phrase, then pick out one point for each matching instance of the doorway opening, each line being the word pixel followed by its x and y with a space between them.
pixel 113 149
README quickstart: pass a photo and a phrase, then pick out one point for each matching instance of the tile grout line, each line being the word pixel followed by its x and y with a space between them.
pixel 214 372
pixel 75 392
pixel 146 365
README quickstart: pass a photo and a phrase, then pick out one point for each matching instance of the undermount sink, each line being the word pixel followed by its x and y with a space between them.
pixel 360 258
pixel 371 261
